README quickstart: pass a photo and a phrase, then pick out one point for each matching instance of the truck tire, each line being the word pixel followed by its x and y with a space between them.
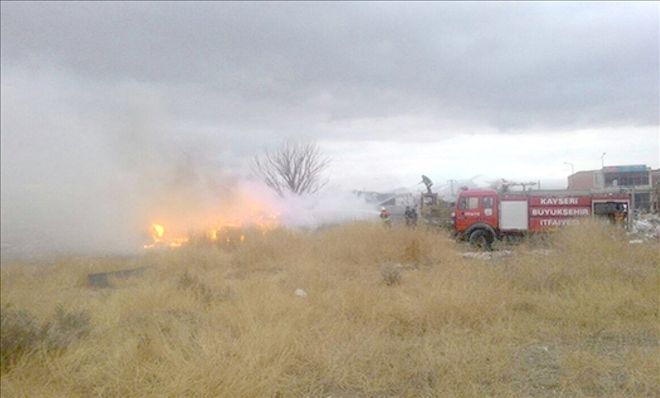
pixel 481 239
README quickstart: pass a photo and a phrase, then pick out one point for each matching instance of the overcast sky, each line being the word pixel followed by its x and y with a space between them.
pixel 104 102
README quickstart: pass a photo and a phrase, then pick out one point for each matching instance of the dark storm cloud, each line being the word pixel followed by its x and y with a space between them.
pixel 261 66
pixel 114 114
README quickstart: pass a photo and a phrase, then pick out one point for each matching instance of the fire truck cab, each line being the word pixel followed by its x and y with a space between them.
pixel 483 215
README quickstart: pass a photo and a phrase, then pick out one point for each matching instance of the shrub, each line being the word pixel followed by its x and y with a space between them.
pixel 19 334
pixel 66 328
pixel 200 290
pixel 391 274
pixel 413 253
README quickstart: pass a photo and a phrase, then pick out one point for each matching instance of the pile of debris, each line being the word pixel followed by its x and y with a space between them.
pixel 647 226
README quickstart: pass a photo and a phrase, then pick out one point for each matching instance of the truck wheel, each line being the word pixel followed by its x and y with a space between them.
pixel 481 239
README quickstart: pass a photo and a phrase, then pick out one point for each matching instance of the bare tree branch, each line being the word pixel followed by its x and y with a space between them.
pixel 296 167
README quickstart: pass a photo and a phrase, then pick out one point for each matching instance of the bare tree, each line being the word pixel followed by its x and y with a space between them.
pixel 296 167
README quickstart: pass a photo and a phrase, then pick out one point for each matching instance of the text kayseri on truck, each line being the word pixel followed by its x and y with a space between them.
pixel 483 215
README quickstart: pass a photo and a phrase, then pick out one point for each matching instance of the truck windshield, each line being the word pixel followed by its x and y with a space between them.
pixel 468 203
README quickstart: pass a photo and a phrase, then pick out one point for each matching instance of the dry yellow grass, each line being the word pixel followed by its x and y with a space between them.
pixel 581 320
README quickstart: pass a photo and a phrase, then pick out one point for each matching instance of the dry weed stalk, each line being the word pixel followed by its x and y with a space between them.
pixel 579 320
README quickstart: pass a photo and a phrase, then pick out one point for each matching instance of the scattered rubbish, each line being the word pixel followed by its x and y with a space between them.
pixel 504 253
pixel 543 252
pixel 487 255
pixel 636 241
pixel 300 293
pixel 647 226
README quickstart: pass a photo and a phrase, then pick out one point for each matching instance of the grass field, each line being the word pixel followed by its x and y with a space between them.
pixel 387 313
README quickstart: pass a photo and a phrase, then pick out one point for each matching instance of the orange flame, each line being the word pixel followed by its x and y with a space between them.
pixel 159 238
pixel 157 232
pixel 228 230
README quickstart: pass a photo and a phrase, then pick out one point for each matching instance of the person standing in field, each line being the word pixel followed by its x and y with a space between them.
pixel 413 217
pixel 386 217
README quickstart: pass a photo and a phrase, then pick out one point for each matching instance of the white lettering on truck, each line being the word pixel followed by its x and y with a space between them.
pixel 557 222
pixel 558 201
pixel 560 212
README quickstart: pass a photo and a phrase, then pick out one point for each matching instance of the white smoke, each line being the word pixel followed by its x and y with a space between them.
pixel 325 208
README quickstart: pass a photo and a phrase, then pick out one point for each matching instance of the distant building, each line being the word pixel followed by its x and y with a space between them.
pixel 654 204
pixel 375 198
pixel 638 178
pixel 395 202
pixel 400 198
pixel 582 180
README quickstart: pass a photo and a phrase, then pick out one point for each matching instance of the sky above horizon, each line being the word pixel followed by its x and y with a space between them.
pixel 100 100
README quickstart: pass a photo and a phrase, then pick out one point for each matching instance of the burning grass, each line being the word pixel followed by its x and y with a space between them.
pixel 580 320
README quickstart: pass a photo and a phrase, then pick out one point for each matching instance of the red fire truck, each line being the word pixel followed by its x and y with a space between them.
pixel 483 215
